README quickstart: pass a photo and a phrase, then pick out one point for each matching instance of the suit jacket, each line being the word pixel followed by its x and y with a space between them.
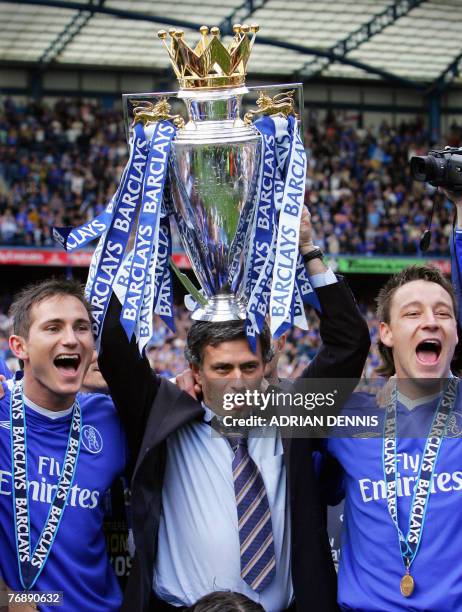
pixel 152 408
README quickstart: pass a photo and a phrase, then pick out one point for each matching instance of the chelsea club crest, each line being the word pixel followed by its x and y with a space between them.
pixel 91 439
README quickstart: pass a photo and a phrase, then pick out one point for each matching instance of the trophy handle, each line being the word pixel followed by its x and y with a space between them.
pixel 148 112
pixel 273 92
pixel 135 100
pixel 281 104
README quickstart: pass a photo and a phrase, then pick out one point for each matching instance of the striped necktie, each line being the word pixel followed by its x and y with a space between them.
pixel 258 561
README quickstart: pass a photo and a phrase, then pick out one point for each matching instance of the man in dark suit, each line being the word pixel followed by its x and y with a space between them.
pixel 211 515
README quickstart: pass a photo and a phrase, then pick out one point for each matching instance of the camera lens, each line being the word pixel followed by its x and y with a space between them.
pixel 418 168
pixel 424 168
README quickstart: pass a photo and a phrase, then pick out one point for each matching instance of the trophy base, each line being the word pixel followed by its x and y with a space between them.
pixel 221 308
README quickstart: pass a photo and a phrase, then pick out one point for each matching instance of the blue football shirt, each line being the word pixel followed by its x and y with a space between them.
pixel 4 370
pixel 78 564
pixel 371 566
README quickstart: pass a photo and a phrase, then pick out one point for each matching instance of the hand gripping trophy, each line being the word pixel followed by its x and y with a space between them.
pixel 234 187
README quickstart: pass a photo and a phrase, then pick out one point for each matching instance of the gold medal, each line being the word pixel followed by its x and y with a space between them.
pixel 407 585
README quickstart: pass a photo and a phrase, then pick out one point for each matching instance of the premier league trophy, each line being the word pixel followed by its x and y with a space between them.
pixel 235 188
pixel 213 167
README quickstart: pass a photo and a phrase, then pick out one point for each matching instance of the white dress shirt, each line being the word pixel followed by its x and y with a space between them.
pixel 199 549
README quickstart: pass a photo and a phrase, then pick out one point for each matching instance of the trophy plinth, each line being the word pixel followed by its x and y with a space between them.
pixel 221 307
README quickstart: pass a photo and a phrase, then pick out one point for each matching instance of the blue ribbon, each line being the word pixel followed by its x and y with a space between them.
pixel 307 293
pixel 264 218
pixel 261 267
pixel 163 304
pixel 148 223
pixel 72 238
pixel 285 266
pixel 143 181
pixel 259 300
pixel 116 237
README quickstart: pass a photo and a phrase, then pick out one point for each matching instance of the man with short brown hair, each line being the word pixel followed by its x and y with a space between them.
pixel 57 458
pixel 402 527
pixel 411 274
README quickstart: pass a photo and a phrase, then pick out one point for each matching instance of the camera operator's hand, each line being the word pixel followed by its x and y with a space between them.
pixel 456 199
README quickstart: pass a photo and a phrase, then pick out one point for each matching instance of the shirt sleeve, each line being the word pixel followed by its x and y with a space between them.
pixel 132 384
pixel 4 370
pixel 456 267
pixel 323 278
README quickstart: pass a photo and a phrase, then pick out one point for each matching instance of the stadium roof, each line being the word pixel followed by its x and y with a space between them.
pixel 416 42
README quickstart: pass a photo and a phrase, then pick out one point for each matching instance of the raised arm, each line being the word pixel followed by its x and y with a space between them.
pixel 344 332
pixel 132 383
pixel 456 249
pixel 456 199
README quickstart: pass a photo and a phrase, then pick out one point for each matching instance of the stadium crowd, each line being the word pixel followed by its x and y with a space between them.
pixel 362 197
pixel 60 164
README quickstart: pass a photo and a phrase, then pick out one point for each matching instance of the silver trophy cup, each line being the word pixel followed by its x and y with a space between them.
pixel 213 170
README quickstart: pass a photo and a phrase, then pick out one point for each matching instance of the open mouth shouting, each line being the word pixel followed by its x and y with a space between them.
pixel 428 351
pixel 67 363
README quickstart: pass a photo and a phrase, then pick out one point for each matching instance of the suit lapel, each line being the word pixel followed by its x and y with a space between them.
pixel 171 409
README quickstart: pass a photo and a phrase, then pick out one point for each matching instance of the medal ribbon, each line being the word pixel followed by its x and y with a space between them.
pixel 409 545
pixel 31 562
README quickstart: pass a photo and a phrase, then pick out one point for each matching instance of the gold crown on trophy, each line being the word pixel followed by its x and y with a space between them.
pixel 210 64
